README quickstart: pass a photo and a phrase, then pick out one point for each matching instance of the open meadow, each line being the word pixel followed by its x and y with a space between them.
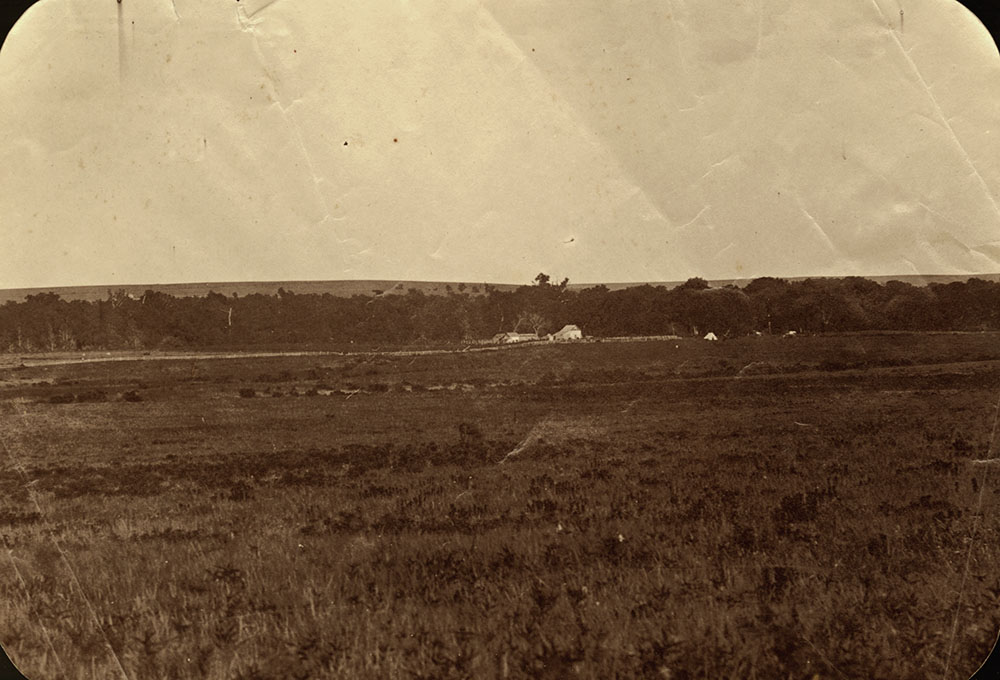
pixel 765 507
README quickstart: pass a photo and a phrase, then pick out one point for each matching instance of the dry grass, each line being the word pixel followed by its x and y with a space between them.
pixel 807 521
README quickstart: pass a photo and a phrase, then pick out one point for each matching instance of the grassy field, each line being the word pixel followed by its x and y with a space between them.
pixel 759 508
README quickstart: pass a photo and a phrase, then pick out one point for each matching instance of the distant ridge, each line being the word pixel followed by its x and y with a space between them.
pixel 912 279
pixel 387 287
pixel 245 288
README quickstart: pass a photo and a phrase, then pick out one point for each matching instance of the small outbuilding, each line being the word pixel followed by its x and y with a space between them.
pixel 711 336
pixel 508 338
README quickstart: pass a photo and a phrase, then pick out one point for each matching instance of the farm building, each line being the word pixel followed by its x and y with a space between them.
pixel 568 332
pixel 508 338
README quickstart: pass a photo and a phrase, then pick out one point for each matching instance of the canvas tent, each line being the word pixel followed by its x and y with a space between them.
pixel 711 336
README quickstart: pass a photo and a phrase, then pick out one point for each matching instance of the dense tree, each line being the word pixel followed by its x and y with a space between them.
pixel 45 322
pixel 696 283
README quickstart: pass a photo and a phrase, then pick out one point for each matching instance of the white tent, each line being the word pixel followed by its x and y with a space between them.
pixel 568 332
pixel 711 336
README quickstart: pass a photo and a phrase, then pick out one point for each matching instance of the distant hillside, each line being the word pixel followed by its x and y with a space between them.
pixel 245 288
pixel 362 287
pixel 912 279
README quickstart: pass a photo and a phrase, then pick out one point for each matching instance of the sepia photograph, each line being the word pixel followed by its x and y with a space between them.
pixel 499 339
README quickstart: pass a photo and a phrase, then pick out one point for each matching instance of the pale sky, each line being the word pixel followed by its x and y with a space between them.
pixel 204 140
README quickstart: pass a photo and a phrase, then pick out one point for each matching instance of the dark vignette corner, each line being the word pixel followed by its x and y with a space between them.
pixel 10 12
pixel 8 671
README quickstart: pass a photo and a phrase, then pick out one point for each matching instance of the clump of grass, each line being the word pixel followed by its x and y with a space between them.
pixel 91 396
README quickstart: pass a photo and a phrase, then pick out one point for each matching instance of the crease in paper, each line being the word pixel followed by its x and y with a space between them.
pixel 945 120
pixel 246 12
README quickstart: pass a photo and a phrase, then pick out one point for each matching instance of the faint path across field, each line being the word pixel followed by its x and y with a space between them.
pixel 63 359
pixel 67 358
pixel 43 359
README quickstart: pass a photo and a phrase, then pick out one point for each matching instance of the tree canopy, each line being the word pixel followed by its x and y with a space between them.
pixel 45 322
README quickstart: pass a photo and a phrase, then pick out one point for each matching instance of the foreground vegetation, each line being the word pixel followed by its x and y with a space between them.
pixel 760 508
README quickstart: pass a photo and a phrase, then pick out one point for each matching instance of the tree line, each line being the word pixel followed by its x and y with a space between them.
pixel 155 320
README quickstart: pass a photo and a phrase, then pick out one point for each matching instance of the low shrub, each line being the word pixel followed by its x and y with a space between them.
pixel 92 396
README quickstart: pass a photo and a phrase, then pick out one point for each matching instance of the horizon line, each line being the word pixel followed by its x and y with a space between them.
pixel 476 282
